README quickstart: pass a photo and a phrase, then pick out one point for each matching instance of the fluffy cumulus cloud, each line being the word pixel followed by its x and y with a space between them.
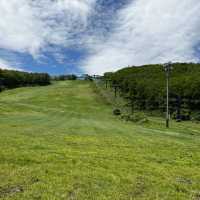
pixel 31 25
pixel 110 33
pixel 148 31
pixel 4 64
pixel 9 65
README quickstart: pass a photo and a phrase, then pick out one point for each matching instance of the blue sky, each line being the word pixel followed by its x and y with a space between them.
pixel 95 36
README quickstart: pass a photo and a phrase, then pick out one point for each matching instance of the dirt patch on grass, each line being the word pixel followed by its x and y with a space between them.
pixel 10 190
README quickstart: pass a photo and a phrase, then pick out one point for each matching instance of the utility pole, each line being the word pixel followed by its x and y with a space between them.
pixel 167 68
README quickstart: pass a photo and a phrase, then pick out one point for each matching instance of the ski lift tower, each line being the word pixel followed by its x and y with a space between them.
pixel 168 68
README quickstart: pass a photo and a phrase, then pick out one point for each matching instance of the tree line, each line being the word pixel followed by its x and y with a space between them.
pixel 145 87
pixel 12 79
pixel 65 77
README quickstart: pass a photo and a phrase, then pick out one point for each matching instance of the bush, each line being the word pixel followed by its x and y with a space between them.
pixel 136 117
pixel 2 88
pixel 197 116
pixel 117 112
pixel 125 117
pixel 184 115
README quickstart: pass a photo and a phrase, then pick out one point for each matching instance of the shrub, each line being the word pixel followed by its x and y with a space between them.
pixel 197 116
pixel 117 112
pixel 136 117
pixel 2 88
pixel 184 115
pixel 125 117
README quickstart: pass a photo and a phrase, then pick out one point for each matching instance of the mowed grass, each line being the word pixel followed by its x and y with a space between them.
pixel 61 142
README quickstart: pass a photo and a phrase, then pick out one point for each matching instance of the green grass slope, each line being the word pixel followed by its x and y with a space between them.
pixel 61 142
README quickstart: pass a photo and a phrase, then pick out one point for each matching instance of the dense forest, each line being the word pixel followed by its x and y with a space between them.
pixel 12 79
pixel 64 77
pixel 145 87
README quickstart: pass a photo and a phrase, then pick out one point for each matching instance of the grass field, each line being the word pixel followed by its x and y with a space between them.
pixel 61 142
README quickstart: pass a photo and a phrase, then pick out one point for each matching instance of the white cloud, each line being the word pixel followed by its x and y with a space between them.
pixel 148 31
pixel 7 65
pixel 144 31
pixel 30 26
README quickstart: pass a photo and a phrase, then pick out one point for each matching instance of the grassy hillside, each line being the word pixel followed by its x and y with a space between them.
pixel 61 142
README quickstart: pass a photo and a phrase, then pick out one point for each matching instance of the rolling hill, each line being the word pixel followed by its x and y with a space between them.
pixel 62 142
